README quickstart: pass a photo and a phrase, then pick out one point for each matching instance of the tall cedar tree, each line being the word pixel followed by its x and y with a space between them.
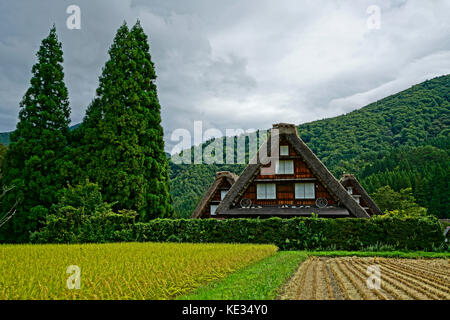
pixel 33 164
pixel 121 141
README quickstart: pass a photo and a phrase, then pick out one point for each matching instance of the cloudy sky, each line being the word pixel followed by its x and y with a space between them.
pixel 237 63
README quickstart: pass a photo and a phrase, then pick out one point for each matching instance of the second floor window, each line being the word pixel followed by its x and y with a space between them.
pixel 305 190
pixel 223 193
pixel 266 191
pixel 284 150
pixel 213 209
pixel 284 167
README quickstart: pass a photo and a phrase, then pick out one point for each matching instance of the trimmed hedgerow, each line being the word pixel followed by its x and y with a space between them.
pixel 287 234
pixel 300 233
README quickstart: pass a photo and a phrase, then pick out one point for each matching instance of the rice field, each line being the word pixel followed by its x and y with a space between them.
pixel 118 271
pixel 345 278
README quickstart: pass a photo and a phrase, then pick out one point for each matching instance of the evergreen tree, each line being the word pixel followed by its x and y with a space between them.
pixel 3 150
pixel 34 159
pixel 121 135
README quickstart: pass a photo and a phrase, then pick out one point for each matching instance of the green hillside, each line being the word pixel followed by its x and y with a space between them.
pixel 370 142
pixel 424 169
pixel 354 141
pixel 4 136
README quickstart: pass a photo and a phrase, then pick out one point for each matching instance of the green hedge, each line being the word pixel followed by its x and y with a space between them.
pixel 287 234
pixel 300 233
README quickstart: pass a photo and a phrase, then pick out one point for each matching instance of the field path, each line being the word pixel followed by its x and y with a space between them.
pixel 324 278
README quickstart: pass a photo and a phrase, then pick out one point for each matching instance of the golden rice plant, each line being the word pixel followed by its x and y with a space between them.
pixel 120 270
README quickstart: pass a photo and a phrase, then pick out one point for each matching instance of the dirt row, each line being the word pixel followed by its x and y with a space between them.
pixel 352 278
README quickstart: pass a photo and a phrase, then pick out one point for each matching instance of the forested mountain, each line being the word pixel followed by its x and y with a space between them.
pixel 424 169
pixel 400 141
pixel 369 142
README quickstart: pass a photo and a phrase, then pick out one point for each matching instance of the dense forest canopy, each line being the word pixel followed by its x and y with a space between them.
pixel 401 141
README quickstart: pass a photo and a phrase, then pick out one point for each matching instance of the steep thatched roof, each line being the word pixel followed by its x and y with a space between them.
pixel 220 176
pixel 289 132
pixel 350 180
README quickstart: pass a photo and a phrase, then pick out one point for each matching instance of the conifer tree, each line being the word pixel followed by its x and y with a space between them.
pixel 33 162
pixel 122 137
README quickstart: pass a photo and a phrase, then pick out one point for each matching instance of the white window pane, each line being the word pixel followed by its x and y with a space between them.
pixel 289 167
pixel 223 194
pixel 279 167
pixel 260 191
pixel 271 191
pixel 309 191
pixel 284 150
pixel 300 191
pixel 213 209
pixel 350 190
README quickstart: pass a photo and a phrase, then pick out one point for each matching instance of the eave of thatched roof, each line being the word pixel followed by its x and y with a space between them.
pixel 289 132
pixel 351 180
pixel 220 176
pixel 288 211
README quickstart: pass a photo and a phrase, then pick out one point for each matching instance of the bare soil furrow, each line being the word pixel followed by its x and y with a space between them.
pixel 314 281
pixel 293 288
pixel 386 289
pixel 425 271
pixel 400 284
pixel 440 290
pixel 338 278
pixel 323 287
pixel 352 291
pixel 337 293
pixel 439 268
pixel 307 292
pixel 343 267
pixel 325 277
pixel 408 280
pixel 360 281
pixel 346 278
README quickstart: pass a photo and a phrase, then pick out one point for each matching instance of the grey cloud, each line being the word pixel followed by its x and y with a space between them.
pixel 236 64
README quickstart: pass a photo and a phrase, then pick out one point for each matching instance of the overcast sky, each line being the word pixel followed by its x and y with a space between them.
pixel 236 63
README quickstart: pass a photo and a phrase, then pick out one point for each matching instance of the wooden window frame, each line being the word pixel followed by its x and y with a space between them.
pixel 304 197
pixel 265 185
pixel 278 166
pixel 284 148
pixel 222 196
pixel 211 211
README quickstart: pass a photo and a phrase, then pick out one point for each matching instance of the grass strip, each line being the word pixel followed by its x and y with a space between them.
pixel 387 254
pixel 258 281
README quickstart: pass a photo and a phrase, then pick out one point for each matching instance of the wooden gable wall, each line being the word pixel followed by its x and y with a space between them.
pixel 215 199
pixel 357 194
pixel 285 184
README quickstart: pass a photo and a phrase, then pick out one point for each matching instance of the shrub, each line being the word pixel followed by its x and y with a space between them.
pixel 398 233
pixel 81 216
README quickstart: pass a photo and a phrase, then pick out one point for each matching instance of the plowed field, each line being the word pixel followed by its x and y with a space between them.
pixel 323 278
